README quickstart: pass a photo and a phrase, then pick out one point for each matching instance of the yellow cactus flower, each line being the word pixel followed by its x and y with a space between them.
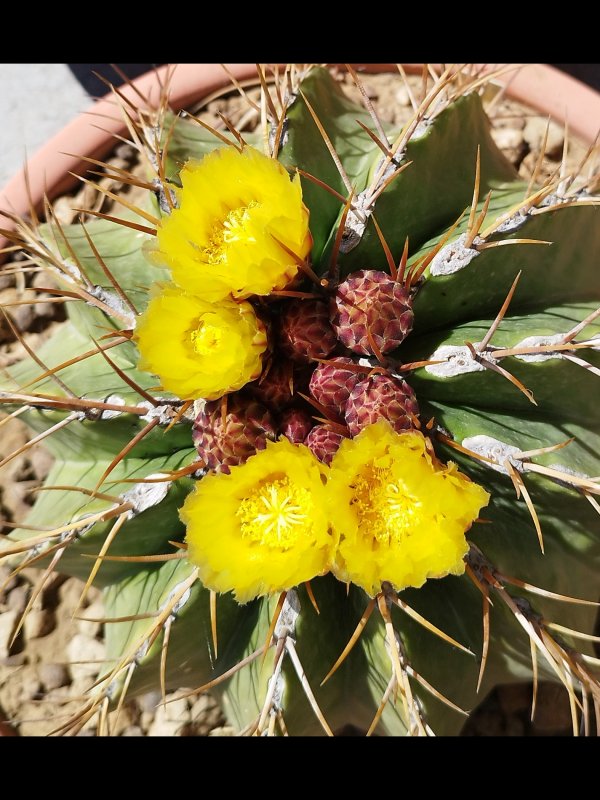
pixel 263 528
pixel 234 210
pixel 401 515
pixel 197 349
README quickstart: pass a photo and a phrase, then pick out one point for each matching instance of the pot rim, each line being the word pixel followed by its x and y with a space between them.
pixel 541 86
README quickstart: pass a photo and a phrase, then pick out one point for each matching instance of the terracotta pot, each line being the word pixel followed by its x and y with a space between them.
pixel 538 85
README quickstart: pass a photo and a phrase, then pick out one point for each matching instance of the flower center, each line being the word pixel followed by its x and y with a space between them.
pixel 206 338
pixel 386 510
pixel 276 514
pixel 234 228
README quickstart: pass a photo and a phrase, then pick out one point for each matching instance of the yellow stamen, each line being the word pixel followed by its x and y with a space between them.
pixel 206 338
pixel 276 514
pixel 385 508
pixel 234 228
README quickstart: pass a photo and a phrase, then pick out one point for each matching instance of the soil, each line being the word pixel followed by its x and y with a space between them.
pixel 54 659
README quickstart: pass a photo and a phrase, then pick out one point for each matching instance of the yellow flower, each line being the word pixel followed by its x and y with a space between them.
pixel 232 208
pixel 401 514
pixel 263 528
pixel 198 349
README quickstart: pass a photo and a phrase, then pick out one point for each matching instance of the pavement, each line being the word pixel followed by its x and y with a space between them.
pixel 36 101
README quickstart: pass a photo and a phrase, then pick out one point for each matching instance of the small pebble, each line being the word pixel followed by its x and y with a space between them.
pixel 132 730
pixel 83 649
pixel 534 132
pixel 22 316
pixel 206 715
pixel 507 138
pixel 92 612
pixel 8 623
pixel 171 720
pixel 39 622
pixel 149 701
pixel 17 598
pixel 64 692
pixel 16 660
pixel 9 584
pixel 402 96
pixel 224 730
pixel 126 151
pixel 41 461
pixel 63 210
pixel 31 688
pixel 146 720
pixel 203 704
pixel 43 280
pixel 176 710
pixel 43 309
pixel 165 727
pixel 53 676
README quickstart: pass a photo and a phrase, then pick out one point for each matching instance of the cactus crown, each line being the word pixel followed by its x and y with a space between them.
pixel 417 326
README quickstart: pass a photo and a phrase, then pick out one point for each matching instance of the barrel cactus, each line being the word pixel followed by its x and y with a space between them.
pixel 324 416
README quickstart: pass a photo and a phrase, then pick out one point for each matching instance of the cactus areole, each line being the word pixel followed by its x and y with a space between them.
pixel 329 396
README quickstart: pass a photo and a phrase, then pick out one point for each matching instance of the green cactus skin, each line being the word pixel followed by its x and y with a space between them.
pixel 558 289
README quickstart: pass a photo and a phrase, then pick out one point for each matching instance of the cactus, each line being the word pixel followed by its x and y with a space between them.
pixel 498 281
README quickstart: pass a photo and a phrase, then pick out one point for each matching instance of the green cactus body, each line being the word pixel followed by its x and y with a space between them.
pixel 489 411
